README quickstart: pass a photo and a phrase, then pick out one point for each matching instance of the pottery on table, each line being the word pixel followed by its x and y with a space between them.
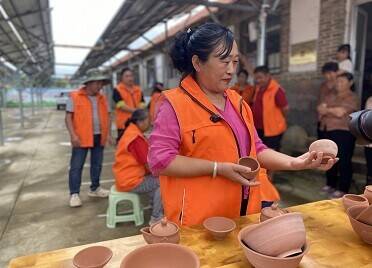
pixel 263 261
pixel 368 193
pixel 219 227
pixel 253 164
pixel 271 212
pixel 163 231
pixel 350 200
pixel 327 147
pixel 163 255
pixel 364 231
pixel 365 216
pixel 281 236
pixel 92 257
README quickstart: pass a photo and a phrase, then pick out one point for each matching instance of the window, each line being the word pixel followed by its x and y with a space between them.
pixel 151 72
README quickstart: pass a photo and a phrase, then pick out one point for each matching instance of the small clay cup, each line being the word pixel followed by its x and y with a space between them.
pixel 253 164
pixel 327 147
pixel 219 227
pixel 271 212
pixel 364 231
pixel 350 200
pixel 368 193
pixel 365 216
pixel 263 261
pixel 162 255
pixel 92 257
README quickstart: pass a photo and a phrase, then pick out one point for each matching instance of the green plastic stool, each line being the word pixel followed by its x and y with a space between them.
pixel 114 198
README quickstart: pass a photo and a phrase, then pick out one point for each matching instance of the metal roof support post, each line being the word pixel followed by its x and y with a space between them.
pixel 1 128
pixel 32 100
pixel 41 99
pixel 21 107
pixel 261 41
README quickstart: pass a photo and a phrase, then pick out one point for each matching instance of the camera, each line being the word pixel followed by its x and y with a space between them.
pixel 360 126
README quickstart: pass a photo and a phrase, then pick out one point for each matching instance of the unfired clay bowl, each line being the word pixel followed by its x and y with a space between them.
pixel 271 212
pixel 327 147
pixel 277 237
pixel 363 230
pixel 368 193
pixel 365 216
pixel 253 164
pixel 162 255
pixel 92 257
pixel 350 200
pixel 219 227
pixel 263 261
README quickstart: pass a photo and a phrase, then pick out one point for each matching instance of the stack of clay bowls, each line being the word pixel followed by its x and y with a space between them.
pixel 276 242
pixel 327 147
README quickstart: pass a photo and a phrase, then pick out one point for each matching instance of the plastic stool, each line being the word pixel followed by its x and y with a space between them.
pixel 114 198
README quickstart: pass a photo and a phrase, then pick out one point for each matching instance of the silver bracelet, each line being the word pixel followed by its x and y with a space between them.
pixel 214 170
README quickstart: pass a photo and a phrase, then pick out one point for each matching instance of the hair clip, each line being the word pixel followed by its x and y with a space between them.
pixel 189 30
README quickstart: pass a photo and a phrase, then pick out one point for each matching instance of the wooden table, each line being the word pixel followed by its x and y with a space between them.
pixel 332 244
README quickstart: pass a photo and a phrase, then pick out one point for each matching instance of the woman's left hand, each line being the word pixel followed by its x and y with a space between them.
pixel 311 160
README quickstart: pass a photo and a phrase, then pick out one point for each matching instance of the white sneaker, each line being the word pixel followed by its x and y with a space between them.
pixel 75 201
pixel 99 192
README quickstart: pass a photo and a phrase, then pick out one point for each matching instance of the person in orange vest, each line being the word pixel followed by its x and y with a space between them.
pixel 130 169
pixel 156 98
pixel 127 97
pixel 269 108
pixel 202 129
pixel 243 88
pixel 88 123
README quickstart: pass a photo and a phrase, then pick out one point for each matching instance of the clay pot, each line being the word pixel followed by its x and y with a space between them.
pixel 272 212
pixel 253 164
pixel 163 255
pixel 163 231
pixel 278 237
pixel 364 231
pixel 327 147
pixel 350 200
pixel 365 216
pixel 219 227
pixel 92 257
pixel 263 261
pixel 368 193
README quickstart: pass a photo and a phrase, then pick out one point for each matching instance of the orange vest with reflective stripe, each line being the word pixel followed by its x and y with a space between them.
pixel 82 117
pixel 274 122
pixel 156 100
pixel 127 171
pixel 131 99
pixel 189 201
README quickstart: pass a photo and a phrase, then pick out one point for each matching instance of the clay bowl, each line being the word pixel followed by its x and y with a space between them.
pixel 364 231
pixel 327 147
pixel 162 255
pixel 253 164
pixel 271 212
pixel 263 261
pixel 219 227
pixel 350 200
pixel 365 216
pixel 92 257
pixel 368 193
pixel 153 239
pixel 277 237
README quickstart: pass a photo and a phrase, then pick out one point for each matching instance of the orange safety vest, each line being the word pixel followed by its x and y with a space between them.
pixel 247 93
pixel 131 99
pixel 156 100
pixel 127 171
pixel 82 117
pixel 274 122
pixel 189 201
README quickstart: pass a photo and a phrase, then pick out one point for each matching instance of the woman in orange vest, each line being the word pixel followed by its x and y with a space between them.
pixel 243 88
pixel 203 128
pixel 130 168
pixel 156 98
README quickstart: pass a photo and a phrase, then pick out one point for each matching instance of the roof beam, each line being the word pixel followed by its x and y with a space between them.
pixel 230 6
pixel 27 13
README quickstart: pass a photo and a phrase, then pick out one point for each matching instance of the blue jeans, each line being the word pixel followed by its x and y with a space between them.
pixel 78 157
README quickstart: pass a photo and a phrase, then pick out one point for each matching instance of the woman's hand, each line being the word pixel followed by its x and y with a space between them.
pixel 236 173
pixel 311 161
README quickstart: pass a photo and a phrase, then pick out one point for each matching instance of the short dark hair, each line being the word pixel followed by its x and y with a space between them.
pixel 262 69
pixel 201 42
pixel 346 75
pixel 137 115
pixel 243 72
pixel 330 67
pixel 125 70
pixel 345 48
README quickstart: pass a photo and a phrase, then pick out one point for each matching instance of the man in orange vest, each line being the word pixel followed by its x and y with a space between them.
pixel 243 88
pixel 269 108
pixel 127 97
pixel 88 122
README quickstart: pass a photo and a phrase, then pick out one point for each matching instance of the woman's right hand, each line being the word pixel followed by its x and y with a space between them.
pixel 235 173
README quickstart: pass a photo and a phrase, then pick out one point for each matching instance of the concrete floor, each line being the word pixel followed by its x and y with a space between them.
pixel 34 212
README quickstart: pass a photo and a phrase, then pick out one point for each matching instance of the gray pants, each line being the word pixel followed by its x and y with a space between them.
pixel 151 186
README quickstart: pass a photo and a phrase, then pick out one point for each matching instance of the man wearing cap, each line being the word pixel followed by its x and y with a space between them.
pixel 88 122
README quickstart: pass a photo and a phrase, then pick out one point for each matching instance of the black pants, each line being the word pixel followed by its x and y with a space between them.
pixel 271 142
pixel 368 154
pixel 340 175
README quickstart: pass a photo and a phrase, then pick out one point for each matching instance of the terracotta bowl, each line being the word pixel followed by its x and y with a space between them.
pixel 277 237
pixel 350 200
pixel 162 255
pixel 327 147
pixel 253 164
pixel 153 239
pixel 365 216
pixel 364 231
pixel 92 257
pixel 219 227
pixel 263 261
pixel 368 193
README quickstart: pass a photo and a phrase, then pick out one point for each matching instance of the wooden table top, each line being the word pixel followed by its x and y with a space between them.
pixel 333 243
